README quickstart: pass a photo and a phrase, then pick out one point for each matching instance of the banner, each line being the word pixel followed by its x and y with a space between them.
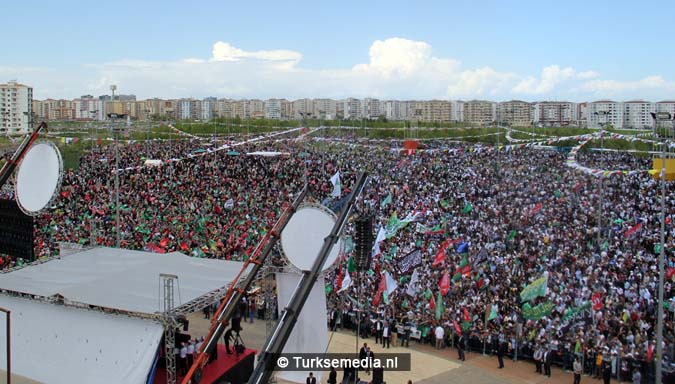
pixel 538 312
pixel 535 289
pixel 573 312
pixel 409 261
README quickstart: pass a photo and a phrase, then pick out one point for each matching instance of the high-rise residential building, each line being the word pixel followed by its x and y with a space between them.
pixel 325 108
pixel 555 113
pixel 225 108
pixel 457 111
pixel 351 109
pixel 208 108
pixel 669 107
pixel 370 108
pixel 516 113
pixel 88 107
pixel 184 109
pixel 303 107
pixel 257 109
pixel 637 114
pixel 431 111
pixel 16 108
pixel 581 116
pixel 273 109
pixel 480 112
pixel 396 110
pixel 603 112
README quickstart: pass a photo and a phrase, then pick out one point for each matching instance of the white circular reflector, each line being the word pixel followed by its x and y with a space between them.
pixel 304 235
pixel 38 177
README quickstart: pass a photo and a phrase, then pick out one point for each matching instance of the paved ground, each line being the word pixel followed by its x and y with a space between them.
pixel 431 366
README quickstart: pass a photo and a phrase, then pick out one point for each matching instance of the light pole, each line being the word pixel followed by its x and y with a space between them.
pixel 605 114
pixel 9 350
pixel 117 167
pixel 661 116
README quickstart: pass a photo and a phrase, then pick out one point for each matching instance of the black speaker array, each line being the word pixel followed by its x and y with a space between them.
pixel 364 242
pixel 16 231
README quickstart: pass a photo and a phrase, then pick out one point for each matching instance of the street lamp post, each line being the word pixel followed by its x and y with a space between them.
pixel 605 114
pixel 661 116
pixel 9 349
pixel 117 167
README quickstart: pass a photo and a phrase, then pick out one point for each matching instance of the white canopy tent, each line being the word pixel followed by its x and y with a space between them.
pixel 65 344
pixel 57 344
pixel 121 279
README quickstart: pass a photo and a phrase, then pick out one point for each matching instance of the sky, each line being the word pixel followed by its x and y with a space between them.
pixel 455 49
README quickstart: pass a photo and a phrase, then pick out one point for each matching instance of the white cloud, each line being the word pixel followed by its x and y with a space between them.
pixel 613 86
pixel 396 68
pixel 226 52
pixel 551 76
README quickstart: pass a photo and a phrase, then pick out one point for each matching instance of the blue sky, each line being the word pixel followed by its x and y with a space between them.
pixel 531 50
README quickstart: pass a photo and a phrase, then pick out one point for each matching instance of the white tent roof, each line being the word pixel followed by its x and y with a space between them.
pixel 121 279
pixel 57 344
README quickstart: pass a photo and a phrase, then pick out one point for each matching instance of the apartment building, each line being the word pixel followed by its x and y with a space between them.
pixel 371 108
pixel 555 114
pixel 480 112
pixel 351 109
pixel 637 114
pixel 431 111
pixel 274 109
pixel 208 108
pixel 303 107
pixel 395 110
pixel 16 108
pixel 516 113
pixel 325 108
pixel 457 111
pixel 604 112
pixel 88 107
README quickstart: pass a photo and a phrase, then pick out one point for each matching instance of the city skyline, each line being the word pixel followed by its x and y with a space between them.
pixel 386 50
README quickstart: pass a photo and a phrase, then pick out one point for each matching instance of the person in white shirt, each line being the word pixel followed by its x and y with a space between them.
pixel 440 333
pixel 190 353
pixel 183 360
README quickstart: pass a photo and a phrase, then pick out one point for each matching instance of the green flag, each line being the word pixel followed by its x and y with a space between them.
pixel 329 288
pixel 351 266
pixel 386 201
pixel 405 303
pixel 536 313
pixel 512 234
pixel 535 289
pixel 467 208
pixel 427 294
pixel 439 306
pixel 657 248
pixel 444 204
pixel 385 298
pixel 349 244
pixel 492 313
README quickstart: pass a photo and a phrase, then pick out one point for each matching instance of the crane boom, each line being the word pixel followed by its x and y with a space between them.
pixel 237 289
pixel 277 340
pixel 11 163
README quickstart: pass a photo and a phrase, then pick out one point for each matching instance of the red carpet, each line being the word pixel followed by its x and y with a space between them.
pixel 214 370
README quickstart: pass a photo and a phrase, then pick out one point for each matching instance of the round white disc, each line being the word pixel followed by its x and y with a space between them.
pixel 303 237
pixel 38 177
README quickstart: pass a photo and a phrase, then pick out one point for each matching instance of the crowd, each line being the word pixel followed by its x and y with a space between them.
pixel 504 220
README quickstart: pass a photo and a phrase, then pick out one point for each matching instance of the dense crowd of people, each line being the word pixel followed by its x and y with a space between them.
pixel 518 215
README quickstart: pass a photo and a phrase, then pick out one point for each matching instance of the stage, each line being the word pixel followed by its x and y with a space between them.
pixel 228 368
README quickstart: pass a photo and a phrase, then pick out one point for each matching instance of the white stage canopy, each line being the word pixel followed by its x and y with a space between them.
pixel 57 344
pixel 121 279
